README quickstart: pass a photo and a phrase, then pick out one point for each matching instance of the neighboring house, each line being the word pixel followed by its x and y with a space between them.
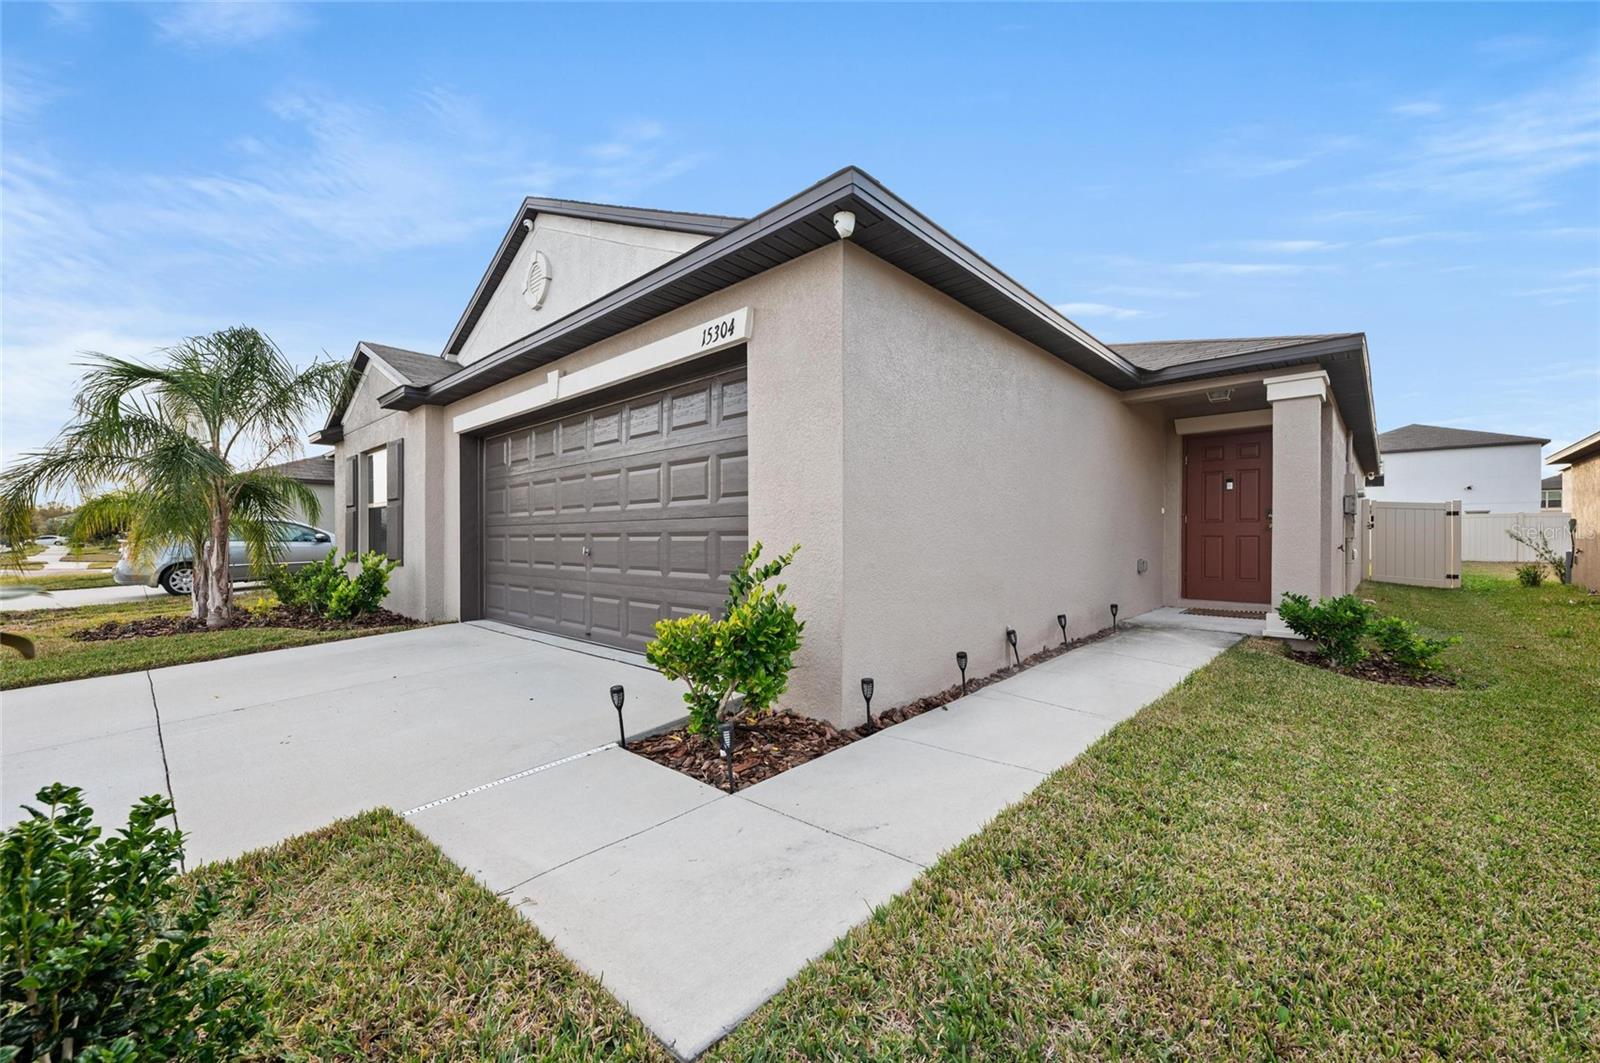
pixel 316 472
pixel 1550 492
pixel 1580 492
pixel 632 397
pixel 1490 472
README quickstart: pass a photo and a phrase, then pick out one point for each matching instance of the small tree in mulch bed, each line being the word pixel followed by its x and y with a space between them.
pixel 749 652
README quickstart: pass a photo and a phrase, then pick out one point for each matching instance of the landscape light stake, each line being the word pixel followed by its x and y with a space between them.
pixel 866 692
pixel 961 663
pixel 616 700
pixel 1061 618
pixel 1113 616
pixel 1011 637
pixel 725 742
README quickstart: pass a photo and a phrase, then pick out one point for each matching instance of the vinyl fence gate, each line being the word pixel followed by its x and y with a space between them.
pixel 1418 543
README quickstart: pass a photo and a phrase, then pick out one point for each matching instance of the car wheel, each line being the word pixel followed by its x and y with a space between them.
pixel 178 580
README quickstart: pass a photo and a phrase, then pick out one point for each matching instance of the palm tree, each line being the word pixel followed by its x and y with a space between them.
pixel 182 448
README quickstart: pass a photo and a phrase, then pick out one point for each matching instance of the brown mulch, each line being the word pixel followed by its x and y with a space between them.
pixel 764 746
pixel 1376 669
pixel 276 616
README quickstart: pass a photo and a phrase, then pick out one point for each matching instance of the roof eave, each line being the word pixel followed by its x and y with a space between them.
pixel 1587 447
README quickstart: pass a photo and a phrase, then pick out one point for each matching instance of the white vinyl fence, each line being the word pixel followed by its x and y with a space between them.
pixel 1414 542
pixel 1484 538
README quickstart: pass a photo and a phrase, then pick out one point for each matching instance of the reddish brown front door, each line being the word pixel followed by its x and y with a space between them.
pixel 1227 506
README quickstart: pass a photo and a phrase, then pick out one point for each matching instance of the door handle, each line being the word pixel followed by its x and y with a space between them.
pixel 585 551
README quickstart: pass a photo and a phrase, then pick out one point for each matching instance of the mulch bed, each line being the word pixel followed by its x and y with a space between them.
pixel 764 746
pixel 276 616
pixel 1375 669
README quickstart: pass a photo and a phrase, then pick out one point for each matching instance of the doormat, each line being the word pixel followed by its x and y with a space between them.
pixel 1231 614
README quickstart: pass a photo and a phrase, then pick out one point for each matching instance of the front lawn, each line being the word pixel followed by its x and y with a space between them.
pixel 373 946
pixel 58 657
pixel 60 581
pixel 1272 861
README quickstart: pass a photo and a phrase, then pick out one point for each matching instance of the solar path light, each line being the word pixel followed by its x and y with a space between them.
pixel 866 692
pixel 616 701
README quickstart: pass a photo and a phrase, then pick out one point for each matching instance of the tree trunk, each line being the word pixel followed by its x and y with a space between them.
pixel 219 580
pixel 198 591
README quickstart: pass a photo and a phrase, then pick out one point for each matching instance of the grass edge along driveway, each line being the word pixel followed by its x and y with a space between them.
pixel 60 658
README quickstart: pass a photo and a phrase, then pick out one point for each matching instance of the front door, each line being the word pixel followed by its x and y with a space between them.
pixel 1227 517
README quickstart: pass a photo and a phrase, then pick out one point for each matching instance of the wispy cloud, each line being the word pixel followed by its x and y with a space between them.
pixel 1291 247
pixel 1507 153
pixel 1417 109
pixel 1101 310
pixel 1243 269
pixel 1260 152
pixel 226 24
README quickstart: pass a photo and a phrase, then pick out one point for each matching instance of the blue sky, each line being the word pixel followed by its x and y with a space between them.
pixel 1427 174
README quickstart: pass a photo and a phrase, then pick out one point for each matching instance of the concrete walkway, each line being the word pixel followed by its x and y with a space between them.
pixel 612 856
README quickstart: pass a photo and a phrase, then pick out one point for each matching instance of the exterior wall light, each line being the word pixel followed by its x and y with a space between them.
pixel 844 223
pixel 725 744
pixel 1061 618
pixel 1113 616
pixel 866 692
pixel 1011 637
pixel 961 663
pixel 617 694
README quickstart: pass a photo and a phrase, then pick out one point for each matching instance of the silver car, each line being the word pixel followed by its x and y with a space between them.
pixel 172 569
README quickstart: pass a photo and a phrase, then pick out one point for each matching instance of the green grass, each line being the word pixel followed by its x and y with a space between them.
pixel 373 946
pixel 60 581
pixel 92 553
pixel 1273 861
pixel 58 657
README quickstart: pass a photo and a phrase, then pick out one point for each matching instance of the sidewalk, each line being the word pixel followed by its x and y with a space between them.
pixel 609 854
pixel 82 596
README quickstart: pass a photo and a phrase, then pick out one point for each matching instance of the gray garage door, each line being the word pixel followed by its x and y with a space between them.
pixel 604 520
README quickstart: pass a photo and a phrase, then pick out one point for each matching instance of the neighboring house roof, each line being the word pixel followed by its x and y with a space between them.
pixel 1551 483
pixel 1584 449
pixel 1436 437
pixel 317 469
pixel 896 232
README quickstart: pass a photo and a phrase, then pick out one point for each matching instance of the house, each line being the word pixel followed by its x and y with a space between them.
pixel 316 472
pixel 1550 492
pixel 1490 472
pixel 631 397
pixel 1580 493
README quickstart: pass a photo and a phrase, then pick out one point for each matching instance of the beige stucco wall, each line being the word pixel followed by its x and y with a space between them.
pixel 1580 494
pixel 587 259
pixel 987 485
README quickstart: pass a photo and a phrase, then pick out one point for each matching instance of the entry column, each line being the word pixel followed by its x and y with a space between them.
pixel 1299 495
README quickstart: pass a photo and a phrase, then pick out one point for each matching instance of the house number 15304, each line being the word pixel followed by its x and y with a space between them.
pixel 717 332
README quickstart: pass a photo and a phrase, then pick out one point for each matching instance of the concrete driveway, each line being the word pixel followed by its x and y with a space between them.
pixel 258 748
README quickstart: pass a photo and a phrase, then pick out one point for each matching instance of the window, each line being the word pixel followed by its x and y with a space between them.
pixel 375 478
pixel 1550 498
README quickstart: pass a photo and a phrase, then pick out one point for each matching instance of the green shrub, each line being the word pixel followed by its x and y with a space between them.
pixel 366 591
pixel 1335 625
pixel 1402 643
pixel 100 960
pixel 750 651
pixel 1530 574
pixel 324 588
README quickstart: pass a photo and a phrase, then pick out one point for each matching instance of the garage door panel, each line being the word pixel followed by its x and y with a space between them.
pixel 605 521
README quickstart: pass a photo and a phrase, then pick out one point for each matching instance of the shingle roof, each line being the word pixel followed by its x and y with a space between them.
pixel 317 469
pixel 418 368
pixel 1551 483
pixel 1437 437
pixel 1163 354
